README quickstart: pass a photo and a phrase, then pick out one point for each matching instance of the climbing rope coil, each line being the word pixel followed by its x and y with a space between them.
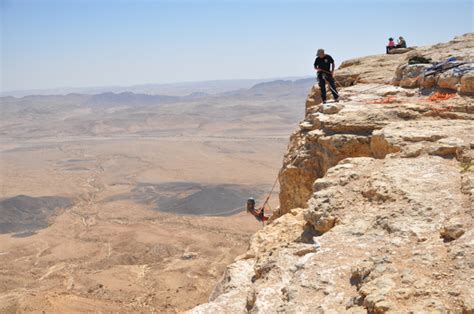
pixel 437 96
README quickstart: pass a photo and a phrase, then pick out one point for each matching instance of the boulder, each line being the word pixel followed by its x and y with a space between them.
pixel 321 221
pixel 428 81
pixel 331 108
pixel 410 75
pixel 306 126
pixel 452 231
pixel 313 100
pixel 398 51
pixel 449 80
pixel 346 79
pixel 467 83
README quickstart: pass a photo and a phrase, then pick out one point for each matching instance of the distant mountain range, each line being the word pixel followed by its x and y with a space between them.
pixel 280 89
pixel 171 89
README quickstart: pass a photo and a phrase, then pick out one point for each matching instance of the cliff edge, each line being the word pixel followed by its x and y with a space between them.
pixel 377 194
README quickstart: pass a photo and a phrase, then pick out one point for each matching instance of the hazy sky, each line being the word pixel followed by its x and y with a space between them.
pixel 60 43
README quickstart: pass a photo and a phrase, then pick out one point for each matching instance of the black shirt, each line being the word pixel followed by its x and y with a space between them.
pixel 324 63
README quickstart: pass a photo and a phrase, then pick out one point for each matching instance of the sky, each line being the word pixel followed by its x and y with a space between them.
pixel 82 43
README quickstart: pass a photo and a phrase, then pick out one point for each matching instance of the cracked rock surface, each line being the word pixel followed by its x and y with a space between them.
pixel 376 204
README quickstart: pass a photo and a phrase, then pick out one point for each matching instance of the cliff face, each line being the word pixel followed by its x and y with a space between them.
pixel 376 198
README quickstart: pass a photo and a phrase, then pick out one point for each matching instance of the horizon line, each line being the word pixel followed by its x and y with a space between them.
pixel 287 77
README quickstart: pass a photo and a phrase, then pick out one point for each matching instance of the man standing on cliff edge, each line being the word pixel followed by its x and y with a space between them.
pixel 324 65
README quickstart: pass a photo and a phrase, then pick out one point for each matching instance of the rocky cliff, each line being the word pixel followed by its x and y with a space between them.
pixel 376 198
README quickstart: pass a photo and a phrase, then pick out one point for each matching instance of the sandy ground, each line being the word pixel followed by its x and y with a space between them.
pixel 109 252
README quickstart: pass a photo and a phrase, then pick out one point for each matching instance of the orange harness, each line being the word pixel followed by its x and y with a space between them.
pixel 260 213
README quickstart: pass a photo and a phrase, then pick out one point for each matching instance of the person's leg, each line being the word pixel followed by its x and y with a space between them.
pixel 332 83
pixel 322 86
pixel 387 48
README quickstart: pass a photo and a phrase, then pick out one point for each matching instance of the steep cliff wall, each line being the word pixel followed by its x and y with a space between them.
pixel 377 196
pixel 309 157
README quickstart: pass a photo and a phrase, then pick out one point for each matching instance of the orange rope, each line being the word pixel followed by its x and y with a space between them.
pixel 437 96
pixel 262 209
pixel 271 191
pixel 385 100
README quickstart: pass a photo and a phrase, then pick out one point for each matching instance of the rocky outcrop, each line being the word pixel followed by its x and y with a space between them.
pixel 456 76
pixel 376 206
pixel 397 51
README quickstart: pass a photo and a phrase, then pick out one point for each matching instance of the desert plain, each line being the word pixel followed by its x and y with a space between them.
pixel 133 202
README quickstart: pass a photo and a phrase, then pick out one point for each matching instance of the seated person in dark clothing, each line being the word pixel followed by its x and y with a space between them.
pixel 324 65
pixel 391 44
pixel 401 43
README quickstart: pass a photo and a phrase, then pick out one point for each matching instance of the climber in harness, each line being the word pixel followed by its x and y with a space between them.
pixel 324 65
pixel 257 213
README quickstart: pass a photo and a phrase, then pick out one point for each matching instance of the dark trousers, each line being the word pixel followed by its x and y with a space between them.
pixel 322 78
pixel 389 48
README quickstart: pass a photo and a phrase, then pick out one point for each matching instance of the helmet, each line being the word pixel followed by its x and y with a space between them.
pixel 250 204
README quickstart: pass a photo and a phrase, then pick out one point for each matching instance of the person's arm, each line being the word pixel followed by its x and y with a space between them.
pixel 316 65
pixel 332 66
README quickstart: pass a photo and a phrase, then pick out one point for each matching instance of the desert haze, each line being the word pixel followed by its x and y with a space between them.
pixel 133 202
pixel 140 141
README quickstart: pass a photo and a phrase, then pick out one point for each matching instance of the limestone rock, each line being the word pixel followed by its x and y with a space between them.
pixel 331 108
pixel 376 201
pixel 448 80
pixel 428 81
pixel 467 83
pixel 449 148
pixel 189 255
pixel 452 231
pixel 410 75
pixel 398 51
pixel 305 125
pixel 468 305
pixel 313 100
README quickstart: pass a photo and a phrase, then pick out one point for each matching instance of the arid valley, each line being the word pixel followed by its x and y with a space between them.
pixel 225 157
pixel 134 202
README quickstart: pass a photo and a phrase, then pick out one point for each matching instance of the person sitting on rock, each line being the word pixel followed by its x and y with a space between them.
pixel 324 65
pixel 257 213
pixel 391 44
pixel 401 43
